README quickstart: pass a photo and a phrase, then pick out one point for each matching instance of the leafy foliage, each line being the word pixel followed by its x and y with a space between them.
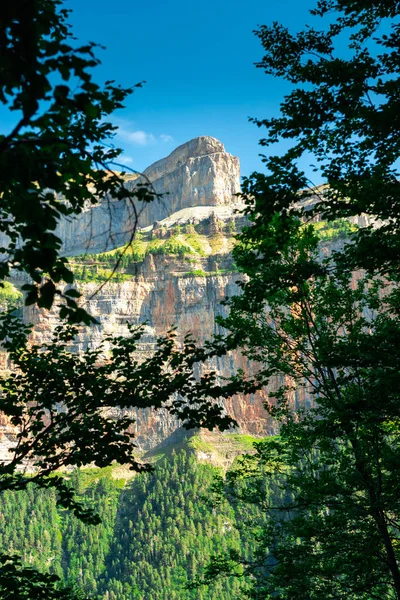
pixel 96 274
pixel 341 111
pixel 10 297
pixel 19 583
pixel 329 231
pixel 55 160
pixel 79 412
pixel 335 341
pixel 325 329
pixel 178 243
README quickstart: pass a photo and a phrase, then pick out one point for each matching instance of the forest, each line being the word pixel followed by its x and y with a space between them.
pixel 157 532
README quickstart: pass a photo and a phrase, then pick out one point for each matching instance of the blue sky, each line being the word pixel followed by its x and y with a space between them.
pixel 197 59
pixel 198 62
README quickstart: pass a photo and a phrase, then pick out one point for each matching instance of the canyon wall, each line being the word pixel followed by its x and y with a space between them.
pixel 177 272
pixel 163 291
pixel 162 296
pixel 180 271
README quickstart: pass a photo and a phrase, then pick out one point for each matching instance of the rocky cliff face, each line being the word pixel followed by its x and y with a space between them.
pixel 198 173
pixel 166 290
pixel 176 273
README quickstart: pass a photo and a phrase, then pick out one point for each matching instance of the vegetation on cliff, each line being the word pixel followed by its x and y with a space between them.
pixel 10 297
pixel 187 243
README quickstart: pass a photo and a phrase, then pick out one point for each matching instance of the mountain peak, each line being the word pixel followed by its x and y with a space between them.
pixel 197 147
pixel 199 173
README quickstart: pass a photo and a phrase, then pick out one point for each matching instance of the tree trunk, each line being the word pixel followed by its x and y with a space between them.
pixel 379 517
pixel 390 554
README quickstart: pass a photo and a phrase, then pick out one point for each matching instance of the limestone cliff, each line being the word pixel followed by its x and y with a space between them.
pixel 176 273
pixel 198 173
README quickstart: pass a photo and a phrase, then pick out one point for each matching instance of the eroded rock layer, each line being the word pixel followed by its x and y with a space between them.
pixel 184 290
pixel 198 173
pixel 177 272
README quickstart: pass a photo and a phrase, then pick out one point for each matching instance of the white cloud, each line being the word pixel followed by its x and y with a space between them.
pixel 125 160
pixel 138 137
pixel 166 138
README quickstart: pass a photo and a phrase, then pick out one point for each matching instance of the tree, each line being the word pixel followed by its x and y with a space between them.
pixel 63 405
pixel 335 533
pixel 55 160
pixel 20 583
pixel 327 326
pixel 341 111
pixel 54 163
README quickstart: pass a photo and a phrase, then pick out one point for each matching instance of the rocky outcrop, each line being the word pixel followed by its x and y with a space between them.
pixel 198 173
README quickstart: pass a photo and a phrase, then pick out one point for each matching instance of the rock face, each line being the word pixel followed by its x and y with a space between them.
pixel 165 288
pixel 167 291
pixel 181 270
pixel 198 173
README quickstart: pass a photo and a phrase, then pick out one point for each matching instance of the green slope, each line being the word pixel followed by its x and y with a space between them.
pixel 157 532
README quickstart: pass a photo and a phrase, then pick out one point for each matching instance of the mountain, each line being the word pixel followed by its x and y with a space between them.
pixel 198 173
pixel 176 272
